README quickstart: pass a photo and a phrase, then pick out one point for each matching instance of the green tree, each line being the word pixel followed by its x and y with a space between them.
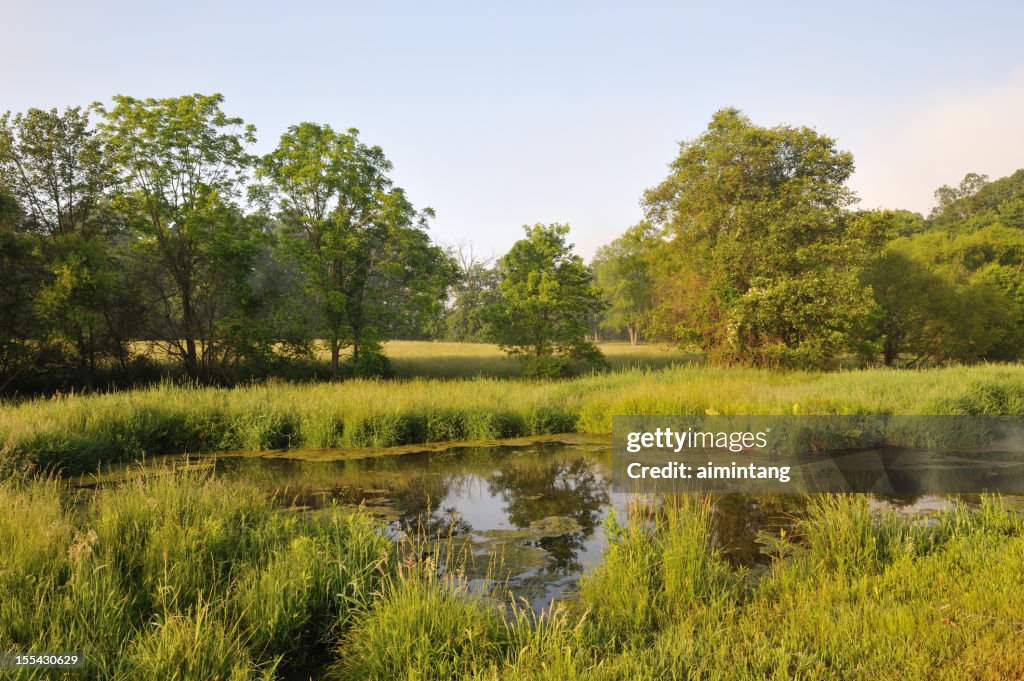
pixel 914 308
pixel 624 270
pixel 182 162
pixel 761 241
pixel 361 246
pixel 464 320
pixel 952 201
pixel 541 307
pixel 54 166
pixel 21 271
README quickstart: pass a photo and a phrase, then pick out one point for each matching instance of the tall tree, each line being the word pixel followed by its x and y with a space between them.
pixel 182 162
pixel 544 300
pixel 54 166
pixel 361 245
pixel 624 270
pixel 760 236
pixel 21 271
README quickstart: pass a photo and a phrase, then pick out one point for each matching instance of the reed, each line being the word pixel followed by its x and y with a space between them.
pixel 76 433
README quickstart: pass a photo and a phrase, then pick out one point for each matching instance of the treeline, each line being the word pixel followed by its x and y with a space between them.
pixel 753 253
pixel 143 237
pixel 145 231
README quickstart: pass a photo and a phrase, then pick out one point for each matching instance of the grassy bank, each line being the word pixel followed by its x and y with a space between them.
pixel 187 577
pixel 77 433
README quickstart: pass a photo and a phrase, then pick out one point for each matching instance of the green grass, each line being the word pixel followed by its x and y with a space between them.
pixel 439 359
pixel 187 577
pixel 78 433
pixel 179 574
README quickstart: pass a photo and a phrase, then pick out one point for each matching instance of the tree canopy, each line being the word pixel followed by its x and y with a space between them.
pixel 361 245
pixel 759 235
pixel 543 302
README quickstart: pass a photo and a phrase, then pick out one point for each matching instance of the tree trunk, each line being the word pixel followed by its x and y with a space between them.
pixel 188 319
pixel 633 335
pixel 335 351
pixel 889 352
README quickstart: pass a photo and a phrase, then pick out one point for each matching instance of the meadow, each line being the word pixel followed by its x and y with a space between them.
pixel 185 576
pixel 76 433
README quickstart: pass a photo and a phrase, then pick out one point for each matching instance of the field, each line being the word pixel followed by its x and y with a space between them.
pixel 75 433
pixel 436 359
pixel 185 576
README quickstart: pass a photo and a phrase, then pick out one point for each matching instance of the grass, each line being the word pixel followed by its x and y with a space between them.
pixel 438 359
pixel 75 433
pixel 179 577
pixel 187 577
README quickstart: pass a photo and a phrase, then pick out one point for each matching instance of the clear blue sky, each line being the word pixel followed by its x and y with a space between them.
pixel 498 114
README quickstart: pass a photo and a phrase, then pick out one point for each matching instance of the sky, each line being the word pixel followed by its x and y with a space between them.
pixel 499 114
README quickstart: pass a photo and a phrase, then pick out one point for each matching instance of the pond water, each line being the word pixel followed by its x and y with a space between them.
pixel 529 515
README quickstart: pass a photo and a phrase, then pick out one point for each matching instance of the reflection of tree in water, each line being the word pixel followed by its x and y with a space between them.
pixel 533 492
pixel 739 517
pixel 436 523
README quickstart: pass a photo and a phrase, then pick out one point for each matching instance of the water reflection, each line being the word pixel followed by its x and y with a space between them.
pixel 555 489
pixel 541 507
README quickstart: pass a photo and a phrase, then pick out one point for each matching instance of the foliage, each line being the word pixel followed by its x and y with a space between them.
pixel 541 308
pixel 477 281
pixel 22 273
pixel 760 238
pixel 624 271
pixel 954 290
pixel 181 162
pixel 54 168
pixel 361 246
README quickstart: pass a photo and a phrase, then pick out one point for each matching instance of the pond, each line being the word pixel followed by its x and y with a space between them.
pixel 529 515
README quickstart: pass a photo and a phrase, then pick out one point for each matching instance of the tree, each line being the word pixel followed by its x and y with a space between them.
pixel 543 301
pixel 477 280
pixel 913 307
pixel 21 272
pixel 950 200
pixel 972 250
pixel 181 162
pixel 624 270
pixel 361 246
pixel 759 234
pixel 55 167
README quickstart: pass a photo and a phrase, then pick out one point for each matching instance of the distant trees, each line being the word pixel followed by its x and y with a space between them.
pixel 542 304
pixel 149 220
pixel 477 280
pixel 958 282
pixel 624 271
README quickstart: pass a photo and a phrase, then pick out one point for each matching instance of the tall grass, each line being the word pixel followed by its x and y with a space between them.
pixel 76 433
pixel 855 595
pixel 187 577
pixel 179 576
